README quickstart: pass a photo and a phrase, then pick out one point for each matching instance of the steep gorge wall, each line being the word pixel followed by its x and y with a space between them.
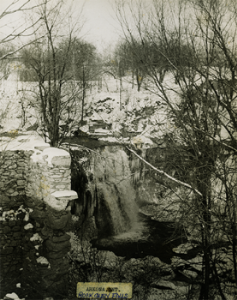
pixel 35 190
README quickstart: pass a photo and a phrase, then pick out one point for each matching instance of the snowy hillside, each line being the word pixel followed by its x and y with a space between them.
pixel 115 114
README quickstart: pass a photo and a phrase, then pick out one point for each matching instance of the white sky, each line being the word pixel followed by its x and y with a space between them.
pixel 101 26
pixel 101 22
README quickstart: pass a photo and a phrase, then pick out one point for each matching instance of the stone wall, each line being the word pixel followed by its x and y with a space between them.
pixel 35 200
pixel 13 171
pixel 13 215
pixel 13 219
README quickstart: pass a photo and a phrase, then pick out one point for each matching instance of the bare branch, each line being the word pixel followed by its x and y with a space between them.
pixel 165 174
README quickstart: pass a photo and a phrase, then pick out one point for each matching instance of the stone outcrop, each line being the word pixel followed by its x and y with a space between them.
pixel 35 206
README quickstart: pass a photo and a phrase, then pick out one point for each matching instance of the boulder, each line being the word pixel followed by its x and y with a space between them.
pixel 58 255
pixel 56 247
pixel 47 232
pixel 162 284
pixel 57 222
pixel 62 238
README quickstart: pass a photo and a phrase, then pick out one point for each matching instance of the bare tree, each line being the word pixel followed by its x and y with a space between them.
pixel 15 32
pixel 197 48
pixel 50 59
pixel 15 27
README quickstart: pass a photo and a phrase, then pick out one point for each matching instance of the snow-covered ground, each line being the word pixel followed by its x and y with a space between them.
pixel 128 113
pixel 138 113
pixel 21 141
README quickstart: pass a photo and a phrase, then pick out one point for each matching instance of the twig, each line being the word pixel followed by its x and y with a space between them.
pixel 165 174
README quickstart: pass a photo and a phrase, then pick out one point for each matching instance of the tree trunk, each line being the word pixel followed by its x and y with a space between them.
pixel 120 84
pixel 83 93
pixel 205 169
pixel 139 80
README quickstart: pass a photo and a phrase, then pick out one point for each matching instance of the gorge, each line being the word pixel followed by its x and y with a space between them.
pixel 111 194
pixel 131 220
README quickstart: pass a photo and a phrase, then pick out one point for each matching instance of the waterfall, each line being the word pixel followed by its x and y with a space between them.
pixel 116 208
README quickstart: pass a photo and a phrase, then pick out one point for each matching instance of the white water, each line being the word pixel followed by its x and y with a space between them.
pixel 114 188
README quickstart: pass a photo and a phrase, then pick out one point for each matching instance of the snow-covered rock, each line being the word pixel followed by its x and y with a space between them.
pixel 164 284
pixel 12 296
pixel 36 237
pixel 42 260
pixel 28 226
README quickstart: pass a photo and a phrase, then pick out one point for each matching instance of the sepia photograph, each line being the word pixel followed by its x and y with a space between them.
pixel 118 149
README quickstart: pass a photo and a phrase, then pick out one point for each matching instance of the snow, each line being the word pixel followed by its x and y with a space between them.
pixel 37 157
pixel 56 204
pixel 84 128
pixel 13 296
pixel 18 285
pixel 101 130
pixel 112 139
pixel 36 237
pixel 42 260
pixel 63 198
pixel 96 117
pixel 26 219
pixel 139 139
pixel 104 105
pixel 13 215
pixel 28 226
pixel 22 142
pixel 52 152
pixel 70 193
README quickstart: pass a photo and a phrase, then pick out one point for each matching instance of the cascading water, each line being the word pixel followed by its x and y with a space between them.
pixel 116 209
pixel 104 179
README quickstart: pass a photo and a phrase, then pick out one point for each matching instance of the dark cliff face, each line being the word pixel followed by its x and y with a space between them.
pixel 79 183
